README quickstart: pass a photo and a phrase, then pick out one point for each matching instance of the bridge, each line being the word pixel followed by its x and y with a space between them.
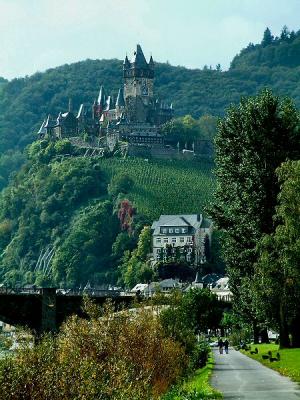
pixel 45 309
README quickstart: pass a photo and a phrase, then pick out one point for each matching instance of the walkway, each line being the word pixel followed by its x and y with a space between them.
pixel 239 377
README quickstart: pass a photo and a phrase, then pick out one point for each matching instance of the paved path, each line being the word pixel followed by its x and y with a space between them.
pixel 239 377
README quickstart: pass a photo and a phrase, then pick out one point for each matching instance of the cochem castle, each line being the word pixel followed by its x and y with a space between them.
pixel 135 115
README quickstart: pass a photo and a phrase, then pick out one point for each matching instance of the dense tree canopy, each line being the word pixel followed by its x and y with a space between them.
pixel 253 140
pixel 277 283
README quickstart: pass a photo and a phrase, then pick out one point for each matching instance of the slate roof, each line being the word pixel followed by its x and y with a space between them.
pixel 138 58
pixel 42 129
pixel 120 99
pixel 193 220
pixel 101 97
pixel 50 123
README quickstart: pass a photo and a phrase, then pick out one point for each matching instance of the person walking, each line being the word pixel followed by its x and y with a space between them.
pixel 220 345
pixel 226 345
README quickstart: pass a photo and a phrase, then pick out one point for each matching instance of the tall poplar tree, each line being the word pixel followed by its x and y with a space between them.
pixel 277 273
pixel 253 139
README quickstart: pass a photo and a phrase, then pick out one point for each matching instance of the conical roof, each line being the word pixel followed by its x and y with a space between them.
pixel 120 98
pixel 101 97
pixel 138 58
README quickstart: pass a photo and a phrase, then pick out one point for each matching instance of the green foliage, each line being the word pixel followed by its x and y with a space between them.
pixel 277 271
pixel 186 130
pixel 121 183
pixel 253 140
pixel 85 248
pixel 57 202
pixel 191 313
pixel 135 268
pixel 272 52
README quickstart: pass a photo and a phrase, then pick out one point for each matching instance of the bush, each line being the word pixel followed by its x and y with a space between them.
pixel 115 356
pixel 199 356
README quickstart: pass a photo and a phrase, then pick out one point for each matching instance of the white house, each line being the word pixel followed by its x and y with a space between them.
pixel 221 289
pixel 183 235
pixel 164 286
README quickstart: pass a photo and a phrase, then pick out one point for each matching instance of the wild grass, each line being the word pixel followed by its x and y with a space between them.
pixel 197 387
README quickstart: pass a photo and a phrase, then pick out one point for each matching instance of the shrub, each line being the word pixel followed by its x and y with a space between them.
pixel 115 356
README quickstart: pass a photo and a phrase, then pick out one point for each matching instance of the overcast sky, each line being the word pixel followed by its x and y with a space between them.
pixel 39 34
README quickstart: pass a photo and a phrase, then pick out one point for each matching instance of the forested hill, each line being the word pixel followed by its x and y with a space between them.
pixel 283 50
pixel 25 102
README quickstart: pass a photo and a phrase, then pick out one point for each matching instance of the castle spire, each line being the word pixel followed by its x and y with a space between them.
pixel 120 98
pixel 101 97
pixel 138 59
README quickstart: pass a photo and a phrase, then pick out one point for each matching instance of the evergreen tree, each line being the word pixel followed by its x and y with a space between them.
pixel 267 38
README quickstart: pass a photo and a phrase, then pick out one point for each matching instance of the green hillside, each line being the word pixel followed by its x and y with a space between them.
pixel 271 52
pixel 61 204
pixel 165 187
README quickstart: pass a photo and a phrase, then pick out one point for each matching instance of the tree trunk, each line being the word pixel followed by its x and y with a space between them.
pixel 255 333
pixel 264 336
pixel 284 340
pixel 295 331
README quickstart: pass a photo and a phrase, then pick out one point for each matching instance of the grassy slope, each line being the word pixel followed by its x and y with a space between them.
pixel 289 364
pixel 197 387
pixel 165 187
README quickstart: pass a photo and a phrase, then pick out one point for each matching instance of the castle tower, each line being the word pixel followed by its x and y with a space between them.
pixel 138 77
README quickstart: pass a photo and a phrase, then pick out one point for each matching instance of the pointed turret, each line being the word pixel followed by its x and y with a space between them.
pixel 42 129
pixel 126 63
pixel 101 97
pixel 108 104
pixel 120 99
pixel 81 111
pixel 49 123
pixel 151 62
pixel 138 58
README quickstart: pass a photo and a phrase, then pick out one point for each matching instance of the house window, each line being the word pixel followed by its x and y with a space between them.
pixel 166 240
pixel 184 230
pixel 171 230
pixel 182 240
pixel 158 240
pixel 173 240
pixel 177 230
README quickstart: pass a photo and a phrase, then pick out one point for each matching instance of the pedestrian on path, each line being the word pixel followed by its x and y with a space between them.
pixel 226 345
pixel 220 345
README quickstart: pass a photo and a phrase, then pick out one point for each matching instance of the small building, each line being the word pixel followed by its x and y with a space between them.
pixel 164 286
pixel 181 237
pixel 221 289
